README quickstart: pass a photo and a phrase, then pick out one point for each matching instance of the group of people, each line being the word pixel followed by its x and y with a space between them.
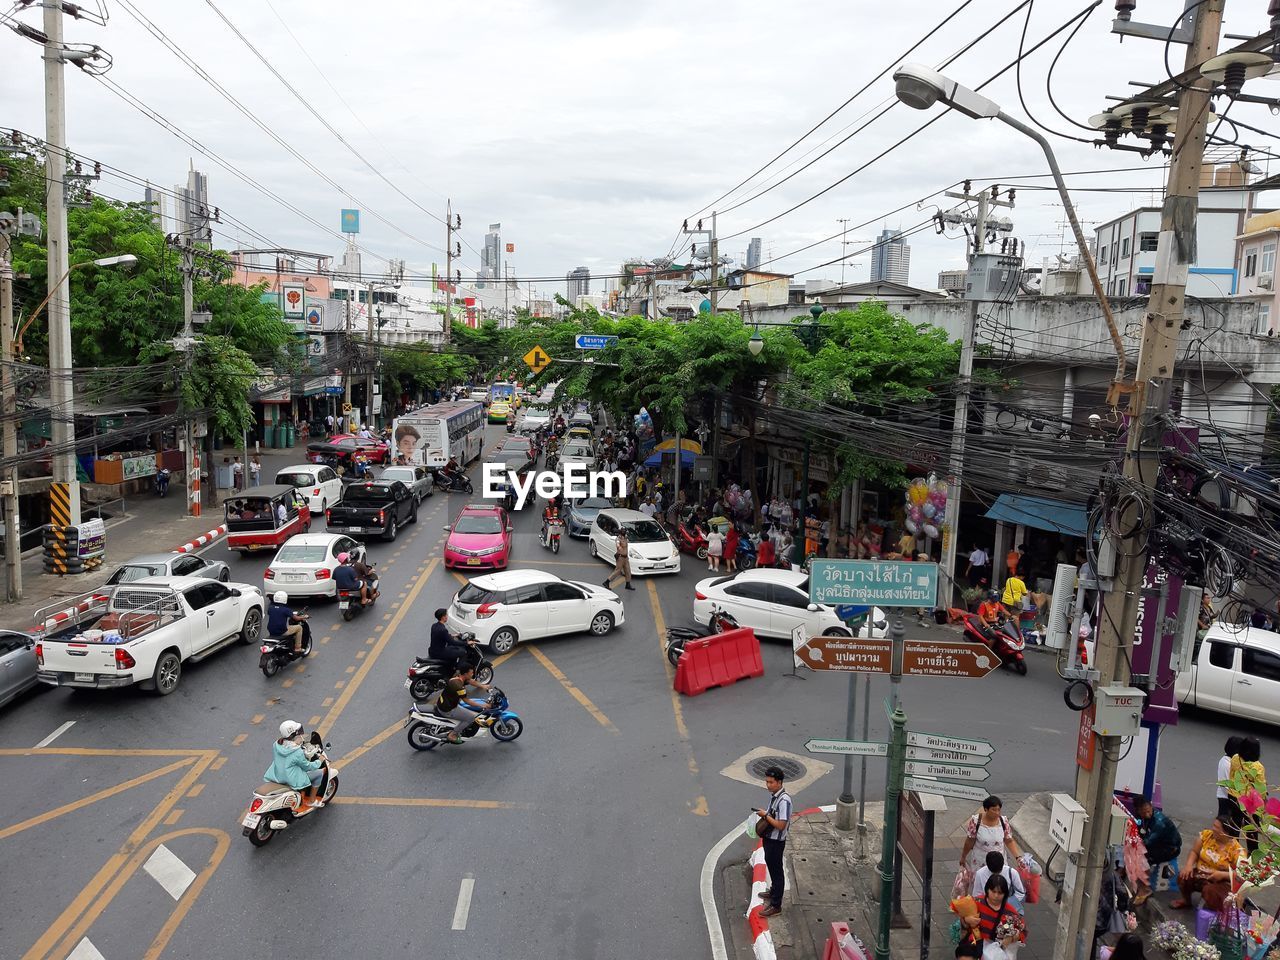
pixel 238 472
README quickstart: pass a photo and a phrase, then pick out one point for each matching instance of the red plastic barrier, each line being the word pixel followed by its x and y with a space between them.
pixel 841 945
pixel 717 661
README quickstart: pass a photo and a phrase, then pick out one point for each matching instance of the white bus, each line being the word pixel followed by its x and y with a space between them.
pixel 432 435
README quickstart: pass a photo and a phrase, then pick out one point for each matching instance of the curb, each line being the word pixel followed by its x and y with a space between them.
pixel 203 540
pixel 761 938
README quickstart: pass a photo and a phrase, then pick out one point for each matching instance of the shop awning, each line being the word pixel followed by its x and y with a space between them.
pixel 1040 513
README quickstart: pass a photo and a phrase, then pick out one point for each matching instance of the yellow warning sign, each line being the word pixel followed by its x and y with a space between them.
pixel 537 359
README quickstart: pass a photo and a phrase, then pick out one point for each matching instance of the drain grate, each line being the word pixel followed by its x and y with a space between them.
pixel 791 769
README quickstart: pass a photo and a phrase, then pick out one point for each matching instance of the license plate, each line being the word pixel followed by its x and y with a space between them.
pixel 355 530
pixel 294 577
pixel 473 561
pixel 343 604
pixel 84 677
pixel 407 683
pixel 251 820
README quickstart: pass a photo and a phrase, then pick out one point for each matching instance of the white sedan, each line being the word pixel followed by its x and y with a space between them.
pixel 319 483
pixel 502 609
pixel 304 566
pixel 652 550
pixel 774 602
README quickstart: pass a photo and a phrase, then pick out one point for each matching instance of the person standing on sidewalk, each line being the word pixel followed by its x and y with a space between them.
pixel 237 474
pixel 622 560
pixel 774 840
pixel 255 470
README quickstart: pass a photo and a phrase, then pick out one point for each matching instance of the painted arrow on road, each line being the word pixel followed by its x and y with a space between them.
pixel 948 771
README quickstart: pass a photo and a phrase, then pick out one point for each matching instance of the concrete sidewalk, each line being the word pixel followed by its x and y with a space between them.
pixel 148 524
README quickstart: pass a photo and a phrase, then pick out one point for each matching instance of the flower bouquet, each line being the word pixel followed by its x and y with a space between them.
pixel 1260 933
pixel 1196 950
pixel 1169 935
pixel 1011 925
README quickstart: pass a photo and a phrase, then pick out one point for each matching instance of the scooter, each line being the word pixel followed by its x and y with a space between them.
pixel 427 730
pixel 452 482
pixel 349 601
pixel 278 652
pixel 427 677
pixel 690 540
pixel 162 481
pixel 275 806
pixel 677 637
pixel 746 556
pixel 551 534
pixel 1004 640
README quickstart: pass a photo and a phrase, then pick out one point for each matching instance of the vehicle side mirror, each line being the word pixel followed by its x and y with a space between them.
pixel 235 593
pixel 448 526
pixel 813 608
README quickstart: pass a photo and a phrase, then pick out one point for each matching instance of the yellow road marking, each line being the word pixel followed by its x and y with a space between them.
pixel 386 616
pixel 192 893
pixel 371 641
pixel 433 802
pixel 240 738
pixel 195 791
pixel 351 669
pixel 287 684
pixel 218 764
pixel 326 701
pixel 341 703
pixel 300 668
pixel 93 798
pixel 340 684
pixel 324 639
pixel 314 720
pixel 99 752
pixel 459 577
pixel 361 654
pixel 258 718
pixel 699 805
pixel 66 927
pixel 174 817
pixel 574 692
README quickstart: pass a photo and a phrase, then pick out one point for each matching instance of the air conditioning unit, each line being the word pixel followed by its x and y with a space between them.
pixel 1265 282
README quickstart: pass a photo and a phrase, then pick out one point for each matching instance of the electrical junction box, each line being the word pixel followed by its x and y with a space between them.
pixel 1066 823
pixel 1119 823
pixel 1118 711
pixel 993 276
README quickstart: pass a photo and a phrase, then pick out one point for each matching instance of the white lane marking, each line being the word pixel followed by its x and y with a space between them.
pixel 170 872
pixel 463 909
pixel 55 735
pixel 85 951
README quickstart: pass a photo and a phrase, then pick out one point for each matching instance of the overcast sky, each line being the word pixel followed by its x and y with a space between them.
pixel 590 129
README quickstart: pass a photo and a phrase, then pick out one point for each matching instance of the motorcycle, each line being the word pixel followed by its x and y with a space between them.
pixel 275 805
pixel 677 637
pixel 452 482
pixel 690 540
pixel 162 481
pixel 1004 640
pixel 551 534
pixel 349 601
pixel 427 730
pixel 427 677
pixel 746 556
pixel 278 652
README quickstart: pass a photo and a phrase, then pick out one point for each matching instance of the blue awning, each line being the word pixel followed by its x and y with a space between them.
pixel 1040 513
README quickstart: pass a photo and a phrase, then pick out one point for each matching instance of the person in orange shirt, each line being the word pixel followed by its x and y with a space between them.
pixel 1013 558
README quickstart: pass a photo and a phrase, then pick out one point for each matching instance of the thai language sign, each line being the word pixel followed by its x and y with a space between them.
pixel 881 583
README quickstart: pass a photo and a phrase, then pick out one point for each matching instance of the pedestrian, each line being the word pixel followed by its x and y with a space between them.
pixel 621 560
pixel 715 547
pixel 766 553
pixel 1209 867
pixel 647 508
pixel 1162 840
pixel 985 831
pixel 237 474
pixel 795 555
pixel 995 923
pixel 1246 770
pixel 783 547
pixel 1128 947
pixel 996 866
pixel 328 424
pixel 731 540
pixel 776 818
pixel 1013 558
pixel 255 470
pixel 1226 806
pixel 979 569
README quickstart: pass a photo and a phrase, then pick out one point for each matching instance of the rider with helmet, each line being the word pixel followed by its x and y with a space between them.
pixel 347 578
pixel 445 644
pixel 991 611
pixel 290 766
pixel 549 516
pixel 283 622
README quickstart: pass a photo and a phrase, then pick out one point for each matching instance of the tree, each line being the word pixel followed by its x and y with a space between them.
pixel 218 380
pixel 423 367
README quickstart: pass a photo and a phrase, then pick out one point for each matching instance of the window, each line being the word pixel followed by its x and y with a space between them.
pixel 1111 286
pixel 1260 663
pixel 1268 265
pixel 749 590
pixel 186 566
pixel 1251 264
pixel 607 525
pixel 11 643
pixel 1124 248
pixel 561 591
pixel 788 597
pixel 1102 255
pixel 1120 285
pixel 1142 286
pixel 530 593
pixel 1222 655
pixel 327 474
pixel 1264 319
pixel 200 597
pixel 1148 242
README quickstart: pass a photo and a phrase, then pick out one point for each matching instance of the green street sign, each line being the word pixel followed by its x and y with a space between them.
pixel 948 771
pixel 941 788
pixel 854 748
pixel 941 741
pixel 881 583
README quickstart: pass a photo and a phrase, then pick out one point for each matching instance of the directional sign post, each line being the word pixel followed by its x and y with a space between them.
pixel 942 741
pixel 853 748
pixel 593 341
pixel 941 788
pixel 537 359
pixel 949 771
pixel 941 658
pixel 880 583
pixel 946 756
pixel 847 654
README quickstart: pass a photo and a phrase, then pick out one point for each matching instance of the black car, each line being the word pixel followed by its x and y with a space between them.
pixel 515 453
pixel 377 507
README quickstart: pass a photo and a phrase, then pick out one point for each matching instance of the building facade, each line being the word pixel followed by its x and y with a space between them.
pixel 1256 260
pixel 491 255
pixel 579 282
pixel 891 258
pixel 753 253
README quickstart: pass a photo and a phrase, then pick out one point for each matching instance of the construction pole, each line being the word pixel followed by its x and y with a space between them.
pixel 448 271
pixel 62 415
pixel 188 268
pixel 1149 403
pixel 369 361
pixel 12 530
pixel 346 367
pixel 715 265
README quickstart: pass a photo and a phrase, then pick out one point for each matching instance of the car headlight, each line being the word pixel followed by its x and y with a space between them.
pixel 632 552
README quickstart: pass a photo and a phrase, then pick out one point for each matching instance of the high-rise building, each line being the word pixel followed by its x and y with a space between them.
pixel 491 256
pixel 191 210
pixel 753 253
pixel 579 280
pixel 154 200
pixel 952 281
pixel 891 258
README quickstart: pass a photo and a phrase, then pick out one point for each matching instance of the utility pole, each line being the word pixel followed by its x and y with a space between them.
pixel 449 226
pixel 1149 403
pixel 346 367
pixel 715 265
pixel 62 415
pixel 844 243
pixel 986 199
pixel 188 268
pixel 370 358
pixel 12 531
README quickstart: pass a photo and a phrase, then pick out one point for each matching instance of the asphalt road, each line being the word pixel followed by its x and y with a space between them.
pixel 583 838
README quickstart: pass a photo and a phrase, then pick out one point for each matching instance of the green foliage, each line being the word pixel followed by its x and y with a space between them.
pixel 424 367
pixel 219 380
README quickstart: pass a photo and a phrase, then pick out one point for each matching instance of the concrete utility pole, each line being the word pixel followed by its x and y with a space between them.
pixel 369 361
pixel 62 416
pixel 449 227
pixel 188 268
pixel 985 199
pixel 12 531
pixel 1149 403
pixel 715 265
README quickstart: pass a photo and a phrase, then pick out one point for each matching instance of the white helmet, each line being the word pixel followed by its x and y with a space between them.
pixel 289 728
pixel 280 597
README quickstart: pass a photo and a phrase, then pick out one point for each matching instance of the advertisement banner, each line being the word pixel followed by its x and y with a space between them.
pixel 350 221
pixel 293 300
pixel 315 345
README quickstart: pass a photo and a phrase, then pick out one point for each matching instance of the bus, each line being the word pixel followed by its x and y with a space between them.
pixel 502 391
pixel 433 435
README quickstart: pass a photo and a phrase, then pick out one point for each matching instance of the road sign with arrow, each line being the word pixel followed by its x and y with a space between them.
pixel 947 756
pixel 537 359
pixel 941 741
pixel 854 748
pixel 941 788
pixel 593 341
pixel 948 771
pixel 941 658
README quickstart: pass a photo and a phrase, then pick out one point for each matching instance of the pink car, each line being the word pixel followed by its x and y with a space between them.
pixel 480 539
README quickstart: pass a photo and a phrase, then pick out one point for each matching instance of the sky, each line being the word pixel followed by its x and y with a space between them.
pixel 590 129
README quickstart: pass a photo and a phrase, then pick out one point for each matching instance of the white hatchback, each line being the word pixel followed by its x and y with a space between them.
pixel 321 486
pixel 652 549
pixel 502 609
pixel 304 566
pixel 774 602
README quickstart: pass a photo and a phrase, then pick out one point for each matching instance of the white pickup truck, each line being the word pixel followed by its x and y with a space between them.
pixel 145 630
pixel 1235 670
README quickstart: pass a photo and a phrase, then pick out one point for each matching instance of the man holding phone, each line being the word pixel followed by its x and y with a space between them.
pixel 774 839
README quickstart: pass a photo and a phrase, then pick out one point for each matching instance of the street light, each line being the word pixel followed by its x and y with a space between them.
pixel 118 260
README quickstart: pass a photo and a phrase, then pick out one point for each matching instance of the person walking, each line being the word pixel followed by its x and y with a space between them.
pixel 979 569
pixel 715 548
pixel 255 470
pixel 777 817
pixel 1226 806
pixel 328 425
pixel 1246 768
pixel 731 540
pixel 622 560
pixel 987 830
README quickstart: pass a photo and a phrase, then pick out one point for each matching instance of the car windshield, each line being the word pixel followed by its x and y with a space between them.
pixel 398 473
pixel 371 493
pixel 645 531
pixel 299 553
pixel 475 595
pixel 477 524
pixel 576 450
pixel 136 572
pixel 591 503
pixel 296 479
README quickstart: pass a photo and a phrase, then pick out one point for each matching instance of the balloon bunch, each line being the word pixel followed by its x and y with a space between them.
pixel 926 502
pixel 643 425
pixel 738 501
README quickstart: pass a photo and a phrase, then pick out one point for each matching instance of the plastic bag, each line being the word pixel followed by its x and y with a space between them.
pixel 993 951
pixel 963 883
pixel 1031 883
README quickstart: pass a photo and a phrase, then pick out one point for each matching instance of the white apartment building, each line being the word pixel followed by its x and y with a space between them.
pixel 1256 246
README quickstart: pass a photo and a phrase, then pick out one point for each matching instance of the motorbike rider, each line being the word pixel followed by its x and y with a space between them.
pixel 549 515
pixel 445 645
pixel 290 766
pixel 991 612
pixel 454 693
pixel 451 471
pixel 347 577
pixel 283 622
pixel 366 573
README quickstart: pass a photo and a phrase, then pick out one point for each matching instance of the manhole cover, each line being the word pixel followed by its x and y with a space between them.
pixel 791 769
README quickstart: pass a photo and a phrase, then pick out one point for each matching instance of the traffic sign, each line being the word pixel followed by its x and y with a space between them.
pixel 947 756
pixel 855 748
pixel 948 771
pixel 346 408
pixel 941 741
pixel 881 583
pixel 537 359
pixel 593 341
pixel 942 658
pixel 847 654
pixel 941 788
pixel 799 634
